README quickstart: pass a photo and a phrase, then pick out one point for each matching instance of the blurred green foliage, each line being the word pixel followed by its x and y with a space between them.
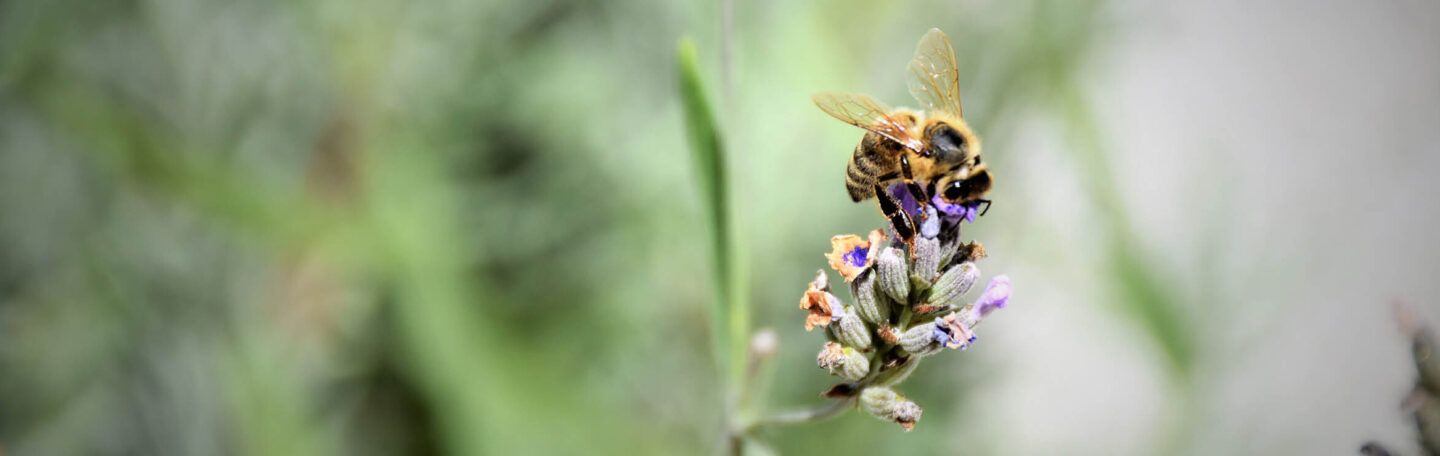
pixel 377 227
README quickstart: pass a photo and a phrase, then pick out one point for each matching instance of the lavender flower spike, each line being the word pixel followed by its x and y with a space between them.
pixel 910 296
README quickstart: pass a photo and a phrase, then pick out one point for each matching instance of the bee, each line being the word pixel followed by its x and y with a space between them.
pixel 930 150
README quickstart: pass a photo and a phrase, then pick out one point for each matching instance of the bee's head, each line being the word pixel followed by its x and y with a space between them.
pixel 956 149
pixel 966 184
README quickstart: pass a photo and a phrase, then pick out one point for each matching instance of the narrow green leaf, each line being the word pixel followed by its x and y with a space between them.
pixel 708 156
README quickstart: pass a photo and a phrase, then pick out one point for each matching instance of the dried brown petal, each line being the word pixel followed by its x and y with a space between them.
pixel 974 251
pixel 925 309
pixel 840 391
pixel 850 255
pixel 887 334
pixel 818 300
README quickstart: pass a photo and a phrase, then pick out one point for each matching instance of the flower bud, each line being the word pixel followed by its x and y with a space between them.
pixel 763 344
pixel 851 330
pixel 830 354
pixel 843 361
pixel 886 404
pixel 930 226
pixel 920 340
pixel 906 415
pixel 948 250
pixel 892 276
pixel 880 401
pixel 856 366
pixel 872 307
pixel 927 260
pixel 953 284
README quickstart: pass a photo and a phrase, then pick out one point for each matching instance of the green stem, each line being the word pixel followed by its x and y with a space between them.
pixel 905 316
pixel 822 412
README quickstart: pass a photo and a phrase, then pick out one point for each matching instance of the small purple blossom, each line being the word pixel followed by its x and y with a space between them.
pixel 940 333
pixel 970 212
pixel 996 295
pixel 952 333
pixel 946 208
pixel 952 211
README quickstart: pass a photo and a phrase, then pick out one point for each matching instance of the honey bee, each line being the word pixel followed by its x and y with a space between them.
pixel 930 150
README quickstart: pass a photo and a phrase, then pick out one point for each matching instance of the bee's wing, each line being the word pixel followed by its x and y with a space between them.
pixel 934 78
pixel 864 112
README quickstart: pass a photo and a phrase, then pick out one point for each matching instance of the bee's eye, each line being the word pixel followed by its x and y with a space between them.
pixel 948 144
pixel 954 191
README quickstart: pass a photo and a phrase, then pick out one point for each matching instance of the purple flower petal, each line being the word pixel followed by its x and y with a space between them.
pixel 946 207
pixel 996 295
pixel 858 256
pixel 940 334
pixel 967 211
pixel 951 332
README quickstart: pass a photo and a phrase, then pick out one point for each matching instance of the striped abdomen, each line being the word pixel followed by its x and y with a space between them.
pixel 875 156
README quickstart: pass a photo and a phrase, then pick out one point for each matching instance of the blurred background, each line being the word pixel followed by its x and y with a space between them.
pixel 455 227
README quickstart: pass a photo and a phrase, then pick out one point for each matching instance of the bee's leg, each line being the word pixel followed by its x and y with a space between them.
pixel 986 202
pixel 899 220
pixel 915 191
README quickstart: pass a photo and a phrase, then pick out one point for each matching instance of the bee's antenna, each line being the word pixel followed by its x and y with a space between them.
pixel 987 206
